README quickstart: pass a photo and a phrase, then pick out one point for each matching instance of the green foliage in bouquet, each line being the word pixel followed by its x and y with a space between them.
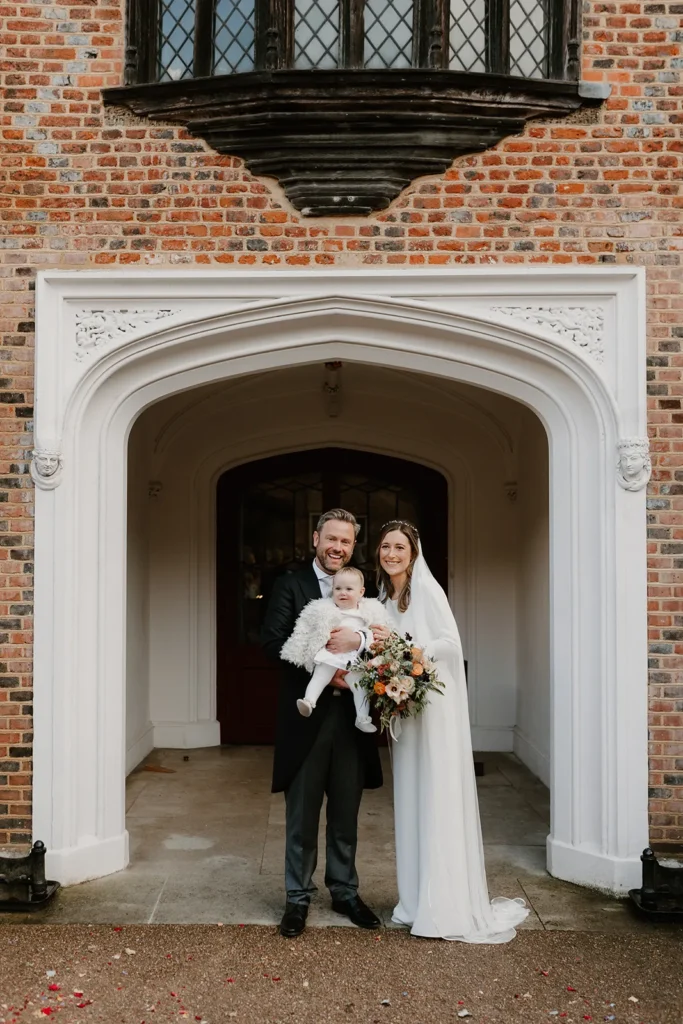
pixel 398 678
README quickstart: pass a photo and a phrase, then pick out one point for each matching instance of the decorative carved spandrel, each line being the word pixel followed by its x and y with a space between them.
pixel 582 326
pixel 96 328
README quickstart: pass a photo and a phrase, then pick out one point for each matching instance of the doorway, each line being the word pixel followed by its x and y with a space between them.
pixel 267 512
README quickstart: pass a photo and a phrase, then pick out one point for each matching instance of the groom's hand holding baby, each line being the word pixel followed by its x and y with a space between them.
pixel 343 641
pixel 338 680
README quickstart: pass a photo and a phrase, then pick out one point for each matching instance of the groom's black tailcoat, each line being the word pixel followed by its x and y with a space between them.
pixel 294 734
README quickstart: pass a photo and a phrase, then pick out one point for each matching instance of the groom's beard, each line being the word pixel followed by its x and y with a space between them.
pixel 332 567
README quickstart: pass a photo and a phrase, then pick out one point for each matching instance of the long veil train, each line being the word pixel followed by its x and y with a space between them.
pixel 443 891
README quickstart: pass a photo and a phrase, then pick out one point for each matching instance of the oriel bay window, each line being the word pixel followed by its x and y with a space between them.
pixel 182 39
pixel 345 102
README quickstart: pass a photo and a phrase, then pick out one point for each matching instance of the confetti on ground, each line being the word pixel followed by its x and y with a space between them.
pixel 329 976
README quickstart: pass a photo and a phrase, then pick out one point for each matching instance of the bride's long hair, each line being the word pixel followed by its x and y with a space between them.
pixel 384 583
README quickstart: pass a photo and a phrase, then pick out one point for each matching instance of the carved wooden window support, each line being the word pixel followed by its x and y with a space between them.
pixel 347 101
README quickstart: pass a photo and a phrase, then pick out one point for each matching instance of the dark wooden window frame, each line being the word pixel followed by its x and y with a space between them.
pixel 274 37
pixel 347 140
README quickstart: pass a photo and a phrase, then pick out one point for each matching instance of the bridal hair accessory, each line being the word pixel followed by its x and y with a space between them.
pixel 398 678
pixel 401 522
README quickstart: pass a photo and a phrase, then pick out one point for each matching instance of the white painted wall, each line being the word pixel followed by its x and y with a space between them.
pixel 188 440
pixel 139 732
pixel 532 731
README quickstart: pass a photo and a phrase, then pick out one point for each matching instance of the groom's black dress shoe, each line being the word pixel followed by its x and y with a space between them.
pixel 357 912
pixel 293 920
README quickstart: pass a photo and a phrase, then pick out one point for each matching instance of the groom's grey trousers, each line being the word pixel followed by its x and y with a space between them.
pixel 334 766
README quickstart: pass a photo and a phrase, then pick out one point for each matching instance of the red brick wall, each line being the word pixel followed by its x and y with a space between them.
pixel 83 187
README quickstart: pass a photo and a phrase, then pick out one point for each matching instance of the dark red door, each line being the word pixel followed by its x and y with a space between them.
pixel 267 511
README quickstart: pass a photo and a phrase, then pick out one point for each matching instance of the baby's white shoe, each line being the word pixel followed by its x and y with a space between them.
pixel 364 723
pixel 305 707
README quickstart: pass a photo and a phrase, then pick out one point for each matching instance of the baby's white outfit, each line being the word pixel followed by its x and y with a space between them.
pixel 350 619
pixel 307 647
pixel 327 663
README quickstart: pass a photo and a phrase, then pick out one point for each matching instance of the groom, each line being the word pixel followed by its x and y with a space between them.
pixel 323 754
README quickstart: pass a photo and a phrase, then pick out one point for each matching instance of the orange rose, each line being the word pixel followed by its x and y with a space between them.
pixel 379 689
pixel 415 653
pixel 417 669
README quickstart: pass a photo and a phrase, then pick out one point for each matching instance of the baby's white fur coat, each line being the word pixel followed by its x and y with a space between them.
pixel 317 620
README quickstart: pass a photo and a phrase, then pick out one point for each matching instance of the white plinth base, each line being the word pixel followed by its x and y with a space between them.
pixel 598 871
pixel 187 735
pixel 90 859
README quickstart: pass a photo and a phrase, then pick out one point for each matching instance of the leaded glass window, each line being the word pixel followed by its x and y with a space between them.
pixel 176 40
pixel 316 33
pixel 467 35
pixel 528 38
pixel 181 39
pixel 388 28
pixel 234 32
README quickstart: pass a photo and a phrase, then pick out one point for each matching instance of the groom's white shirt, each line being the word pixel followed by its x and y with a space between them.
pixel 324 579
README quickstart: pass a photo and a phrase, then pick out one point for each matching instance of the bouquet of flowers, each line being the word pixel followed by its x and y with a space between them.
pixel 398 678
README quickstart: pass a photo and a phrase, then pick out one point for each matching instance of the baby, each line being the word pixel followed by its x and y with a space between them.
pixel 306 646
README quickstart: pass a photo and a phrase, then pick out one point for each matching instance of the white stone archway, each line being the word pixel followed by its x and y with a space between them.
pixel 567 343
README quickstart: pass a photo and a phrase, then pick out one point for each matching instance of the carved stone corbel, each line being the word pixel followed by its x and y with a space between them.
pixel 634 467
pixel 46 468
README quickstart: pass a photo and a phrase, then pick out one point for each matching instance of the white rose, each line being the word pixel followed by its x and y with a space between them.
pixel 406 684
pixel 395 692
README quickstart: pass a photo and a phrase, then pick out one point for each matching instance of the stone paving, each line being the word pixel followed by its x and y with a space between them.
pixel 207 842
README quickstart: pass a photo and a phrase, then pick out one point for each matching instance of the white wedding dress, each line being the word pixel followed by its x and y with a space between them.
pixel 439 852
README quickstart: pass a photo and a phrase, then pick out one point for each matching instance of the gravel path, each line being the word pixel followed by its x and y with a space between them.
pixel 213 974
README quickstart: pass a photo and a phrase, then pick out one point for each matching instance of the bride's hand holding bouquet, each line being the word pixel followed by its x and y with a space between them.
pixel 397 676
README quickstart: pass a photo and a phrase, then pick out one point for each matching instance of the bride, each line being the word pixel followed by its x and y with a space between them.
pixel 439 853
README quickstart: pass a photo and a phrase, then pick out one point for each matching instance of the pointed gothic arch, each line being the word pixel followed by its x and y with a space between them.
pixel 569 345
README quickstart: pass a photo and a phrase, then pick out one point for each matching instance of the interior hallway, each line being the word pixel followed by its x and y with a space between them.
pixel 207 841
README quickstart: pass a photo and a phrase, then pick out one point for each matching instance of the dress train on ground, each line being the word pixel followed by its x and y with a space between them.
pixel 442 884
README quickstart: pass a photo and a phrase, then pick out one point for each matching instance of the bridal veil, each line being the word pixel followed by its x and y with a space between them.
pixel 440 856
